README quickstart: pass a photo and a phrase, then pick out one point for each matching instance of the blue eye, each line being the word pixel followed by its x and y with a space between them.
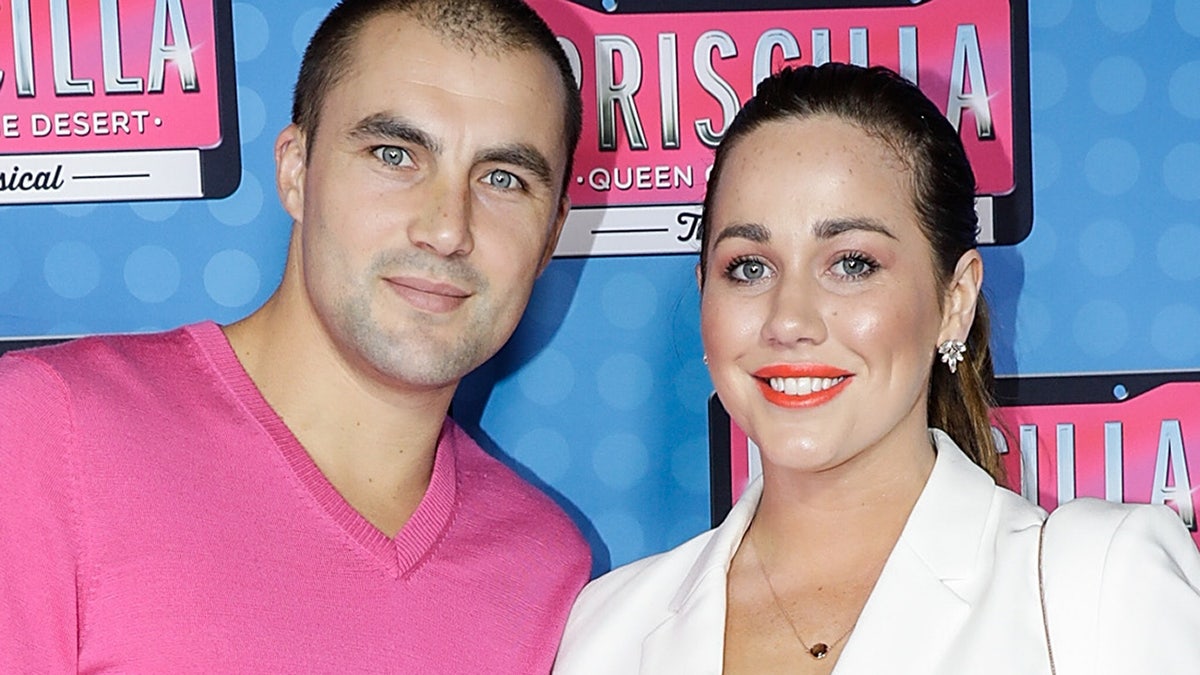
pixel 391 155
pixel 503 180
pixel 855 266
pixel 747 270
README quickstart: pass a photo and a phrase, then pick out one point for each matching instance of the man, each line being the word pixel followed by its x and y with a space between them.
pixel 286 494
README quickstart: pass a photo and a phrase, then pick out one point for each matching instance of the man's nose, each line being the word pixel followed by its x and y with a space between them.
pixel 445 225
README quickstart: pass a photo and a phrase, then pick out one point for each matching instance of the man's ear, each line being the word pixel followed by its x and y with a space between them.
pixel 564 207
pixel 961 296
pixel 291 155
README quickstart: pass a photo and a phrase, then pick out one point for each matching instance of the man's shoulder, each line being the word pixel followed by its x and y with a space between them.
pixel 99 355
pixel 502 500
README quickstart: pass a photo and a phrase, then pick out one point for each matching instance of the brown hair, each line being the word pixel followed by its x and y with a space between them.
pixel 894 110
pixel 500 25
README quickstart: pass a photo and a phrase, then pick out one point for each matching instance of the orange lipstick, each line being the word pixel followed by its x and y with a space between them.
pixel 801 385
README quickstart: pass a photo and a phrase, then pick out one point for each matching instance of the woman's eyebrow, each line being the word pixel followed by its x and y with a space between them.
pixel 828 229
pixel 752 231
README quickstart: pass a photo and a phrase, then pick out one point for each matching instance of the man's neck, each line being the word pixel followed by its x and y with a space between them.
pixel 373 441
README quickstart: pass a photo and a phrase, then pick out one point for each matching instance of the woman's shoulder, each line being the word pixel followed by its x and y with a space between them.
pixel 1119 575
pixel 1116 531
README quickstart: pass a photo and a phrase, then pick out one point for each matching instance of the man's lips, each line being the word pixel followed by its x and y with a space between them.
pixel 430 296
pixel 803 385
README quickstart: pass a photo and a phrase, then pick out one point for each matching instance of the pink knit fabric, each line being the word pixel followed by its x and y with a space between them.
pixel 156 515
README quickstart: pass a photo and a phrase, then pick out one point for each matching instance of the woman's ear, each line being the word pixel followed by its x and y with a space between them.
pixel 962 294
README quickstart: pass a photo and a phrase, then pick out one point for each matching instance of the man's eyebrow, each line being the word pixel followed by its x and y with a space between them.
pixel 752 231
pixel 828 229
pixel 388 127
pixel 518 154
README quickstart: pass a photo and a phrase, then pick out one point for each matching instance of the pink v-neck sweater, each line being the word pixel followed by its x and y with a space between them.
pixel 157 516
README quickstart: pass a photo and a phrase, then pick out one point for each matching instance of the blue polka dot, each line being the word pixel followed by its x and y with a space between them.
pixel 306 24
pixel 1181 171
pixel 1106 247
pixel 1112 166
pixel 155 212
pixel 1101 328
pixel 231 278
pixel 252 115
pixel 1048 80
pixel 243 206
pixel 625 381
pixel 72 269
pixel 1048 13
pixel 1173 333
pixel 1178 251
pixel 252 34
pixel 1120 392
pixel 689 465
pixel 152 274
pixel 1118 85
pixel 1047 161
pixel 1184 89
pixel 548 379
pixel 620 461
pixel 10 266
pixel 623 534
pixel 629 300
pixel 692 386
pixel 1123 16
pixel 546 452
pixel 1040 249
pixel 1034 324
pixel 1187 13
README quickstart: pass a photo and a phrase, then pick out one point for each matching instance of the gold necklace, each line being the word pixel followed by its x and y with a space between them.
pixel 819 650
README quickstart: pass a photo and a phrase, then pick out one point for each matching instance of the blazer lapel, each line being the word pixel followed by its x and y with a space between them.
pixel 692 639
pixel 923 596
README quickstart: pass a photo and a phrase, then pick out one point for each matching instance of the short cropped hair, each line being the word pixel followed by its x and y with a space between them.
pixel 486 25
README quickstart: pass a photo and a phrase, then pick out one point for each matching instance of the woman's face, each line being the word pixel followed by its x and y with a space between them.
pixel 820 311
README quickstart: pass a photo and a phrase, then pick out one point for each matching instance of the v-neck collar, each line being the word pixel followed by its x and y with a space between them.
pixel 424 528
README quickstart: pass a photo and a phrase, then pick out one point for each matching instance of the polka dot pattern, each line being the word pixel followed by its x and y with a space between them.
pixel 152 274
pixel 72 269
pixel 1173 333
pixel 1118 85
pixel 231 278
pixel 1112 166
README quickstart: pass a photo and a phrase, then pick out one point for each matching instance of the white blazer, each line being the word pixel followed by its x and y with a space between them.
pixel 959 593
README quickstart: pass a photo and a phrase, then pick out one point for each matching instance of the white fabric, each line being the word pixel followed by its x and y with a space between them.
pixel 958 594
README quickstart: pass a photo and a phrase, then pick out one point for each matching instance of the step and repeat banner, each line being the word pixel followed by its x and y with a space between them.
pixel 136 193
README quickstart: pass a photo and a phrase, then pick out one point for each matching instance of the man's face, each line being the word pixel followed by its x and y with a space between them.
pixel 429 202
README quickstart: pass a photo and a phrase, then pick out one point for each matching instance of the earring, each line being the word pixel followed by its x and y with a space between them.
pixel 704 359
pixel 952 353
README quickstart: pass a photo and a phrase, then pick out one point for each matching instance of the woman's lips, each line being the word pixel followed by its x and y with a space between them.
pixel 801 385
pixel 429 296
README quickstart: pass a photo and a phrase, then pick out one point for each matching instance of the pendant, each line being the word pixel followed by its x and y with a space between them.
pixel 819 651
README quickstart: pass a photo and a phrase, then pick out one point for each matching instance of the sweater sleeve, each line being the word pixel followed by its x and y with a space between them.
pixel 1149 611
pixel 38 603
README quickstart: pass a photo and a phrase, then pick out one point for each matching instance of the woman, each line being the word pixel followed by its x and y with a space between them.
pixel 846 334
